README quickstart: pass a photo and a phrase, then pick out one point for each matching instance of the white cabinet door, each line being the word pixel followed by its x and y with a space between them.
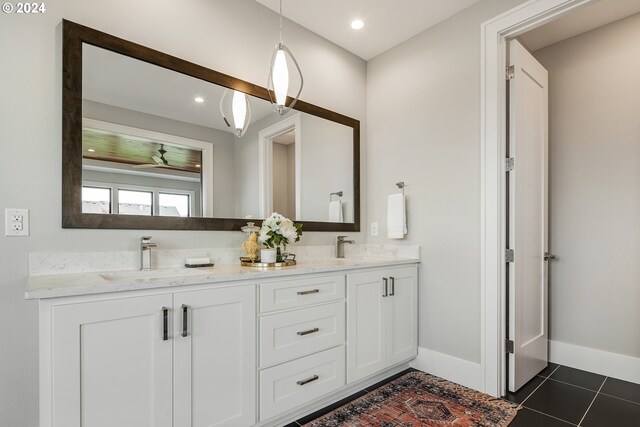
pixel 366 327
pixel 215 363
pixel 382 320
pixel 402 315
pixel 111 363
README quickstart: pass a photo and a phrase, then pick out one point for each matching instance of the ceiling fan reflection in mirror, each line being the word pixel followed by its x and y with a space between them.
pixel 160 161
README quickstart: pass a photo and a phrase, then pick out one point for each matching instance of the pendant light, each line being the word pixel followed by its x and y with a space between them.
pixel 240 111
pixel 278 84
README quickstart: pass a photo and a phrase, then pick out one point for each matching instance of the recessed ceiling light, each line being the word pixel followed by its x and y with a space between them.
pixel 356 24
pixel 91 150
pixel 199 99
pixel 197 166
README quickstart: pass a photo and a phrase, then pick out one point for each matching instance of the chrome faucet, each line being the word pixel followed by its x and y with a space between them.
pixel 340 246
pixel 145 252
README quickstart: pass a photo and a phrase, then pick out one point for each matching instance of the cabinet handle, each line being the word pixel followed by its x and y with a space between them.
pixel 307 332
pixel 393 286
pixel 185 319
pixel 165 323
pixel 312 291
pixel 386 287
pixel 308 380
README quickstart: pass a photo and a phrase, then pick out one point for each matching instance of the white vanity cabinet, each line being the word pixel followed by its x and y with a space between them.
pixel 135 362
pixel 382 320
pixel 230 347
pixel 302 341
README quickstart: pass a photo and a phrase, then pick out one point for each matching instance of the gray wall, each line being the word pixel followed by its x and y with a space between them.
pixel 594 138
pixel 232 36
pixel 423 114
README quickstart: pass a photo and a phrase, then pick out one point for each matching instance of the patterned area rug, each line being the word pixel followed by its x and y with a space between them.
pixel 419 399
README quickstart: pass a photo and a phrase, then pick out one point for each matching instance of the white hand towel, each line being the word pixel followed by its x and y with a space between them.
pixel 396 216
pixel 335 211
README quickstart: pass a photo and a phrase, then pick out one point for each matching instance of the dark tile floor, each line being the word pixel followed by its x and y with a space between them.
pixel 563 396
pixel 558 396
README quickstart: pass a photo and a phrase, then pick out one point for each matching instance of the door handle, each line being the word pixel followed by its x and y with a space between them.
pixel 393 286
pixel 185 319
pixel 548 256
pixel 386 287
pixel 165 323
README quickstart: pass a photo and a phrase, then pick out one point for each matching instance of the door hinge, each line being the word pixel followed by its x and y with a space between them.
pixel 511 72
pixel 509 255
pixel 509 345
pixel 509 164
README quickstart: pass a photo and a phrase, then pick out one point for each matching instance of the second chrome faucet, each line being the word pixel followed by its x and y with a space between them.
pixel 340 246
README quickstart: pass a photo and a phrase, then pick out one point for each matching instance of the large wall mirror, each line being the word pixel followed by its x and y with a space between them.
pixel 147 144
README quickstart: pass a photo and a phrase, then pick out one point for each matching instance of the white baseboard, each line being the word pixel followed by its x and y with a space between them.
pixel 451 368
pixel 593 360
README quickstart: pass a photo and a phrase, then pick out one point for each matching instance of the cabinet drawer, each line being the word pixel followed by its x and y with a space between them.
pixel 285 336
pixel 300 292
pixel 298 382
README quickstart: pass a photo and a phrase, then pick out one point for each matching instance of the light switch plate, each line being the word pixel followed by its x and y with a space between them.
pixel 16 222
pixel 374 228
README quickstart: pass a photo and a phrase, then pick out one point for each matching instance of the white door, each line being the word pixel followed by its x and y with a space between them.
pixel 112 364
pixel 215 357
pixel 402 315
pixel 528 204
pixel 366 324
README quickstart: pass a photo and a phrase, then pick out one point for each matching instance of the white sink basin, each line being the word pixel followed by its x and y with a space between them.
pixel 151 274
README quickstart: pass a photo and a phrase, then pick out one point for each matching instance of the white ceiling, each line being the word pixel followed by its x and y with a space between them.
pixel 387 23
pixel 114 79
pixel 585 19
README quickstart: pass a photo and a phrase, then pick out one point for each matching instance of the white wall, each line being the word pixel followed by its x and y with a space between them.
pixel 423 115
pixel 594 138
pixel 233 36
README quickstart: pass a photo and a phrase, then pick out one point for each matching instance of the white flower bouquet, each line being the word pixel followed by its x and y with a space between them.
pixel 278 230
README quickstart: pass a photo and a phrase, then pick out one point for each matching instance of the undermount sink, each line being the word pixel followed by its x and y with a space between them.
pixel 150 274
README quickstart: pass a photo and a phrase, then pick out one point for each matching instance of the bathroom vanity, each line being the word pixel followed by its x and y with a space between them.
pixel 221 346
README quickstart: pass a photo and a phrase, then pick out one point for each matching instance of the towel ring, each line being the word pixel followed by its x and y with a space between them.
pixel 337 193
pixel 400 185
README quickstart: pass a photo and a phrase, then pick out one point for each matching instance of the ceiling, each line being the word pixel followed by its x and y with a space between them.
pixel 386 23
pixel 585 19
pixel 111 147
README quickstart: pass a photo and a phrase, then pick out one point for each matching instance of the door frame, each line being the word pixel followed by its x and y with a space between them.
pixel 494 42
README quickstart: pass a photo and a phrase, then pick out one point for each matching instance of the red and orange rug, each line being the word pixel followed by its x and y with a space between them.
pixel 418 399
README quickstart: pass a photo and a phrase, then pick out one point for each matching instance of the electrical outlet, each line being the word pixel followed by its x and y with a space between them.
pixel 374 228
pixel 16 222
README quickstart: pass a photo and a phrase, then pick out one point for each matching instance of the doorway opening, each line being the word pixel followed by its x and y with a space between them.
pixel 496 239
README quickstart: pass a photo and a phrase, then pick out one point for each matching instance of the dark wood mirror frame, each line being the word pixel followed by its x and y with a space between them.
pixel 74 35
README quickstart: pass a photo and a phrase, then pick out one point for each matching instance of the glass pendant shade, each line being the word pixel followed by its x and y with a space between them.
pixel 280 78
pixel 240 112
pixel 278 82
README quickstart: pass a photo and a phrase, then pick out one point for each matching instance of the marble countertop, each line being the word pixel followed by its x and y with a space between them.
pixel 64 285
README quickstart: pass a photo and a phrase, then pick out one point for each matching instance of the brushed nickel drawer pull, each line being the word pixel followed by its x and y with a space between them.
pixel 312 291
pixel 308 331
pixel 308 380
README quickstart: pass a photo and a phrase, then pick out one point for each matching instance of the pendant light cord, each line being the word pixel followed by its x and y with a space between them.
pixel 281 41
